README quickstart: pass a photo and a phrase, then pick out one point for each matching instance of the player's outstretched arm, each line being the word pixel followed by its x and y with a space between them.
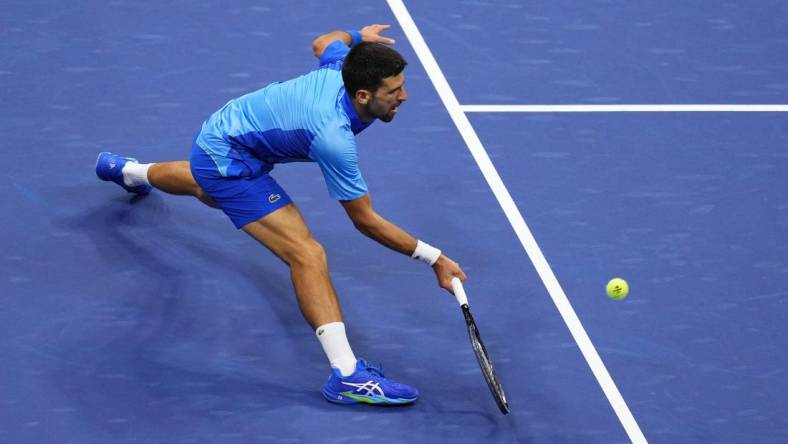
pixel 374 226
pixel 369 33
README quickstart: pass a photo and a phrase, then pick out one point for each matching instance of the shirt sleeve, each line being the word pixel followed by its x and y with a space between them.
pixel 337 157
pixel 334 54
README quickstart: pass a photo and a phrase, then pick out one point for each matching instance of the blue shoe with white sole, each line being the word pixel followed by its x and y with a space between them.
pixel 368 385
pixel 109 167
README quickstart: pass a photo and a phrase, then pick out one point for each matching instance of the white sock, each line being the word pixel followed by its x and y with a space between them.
pixel 334 341
pixel 136 174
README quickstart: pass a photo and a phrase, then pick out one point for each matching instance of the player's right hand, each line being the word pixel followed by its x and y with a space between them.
pixel 371 33
pixel 446 269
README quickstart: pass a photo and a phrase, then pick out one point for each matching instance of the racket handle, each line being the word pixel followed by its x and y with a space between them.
pixel 459 291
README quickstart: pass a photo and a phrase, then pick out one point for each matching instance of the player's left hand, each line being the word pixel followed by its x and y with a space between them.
pixel 371 33
pixel 446 269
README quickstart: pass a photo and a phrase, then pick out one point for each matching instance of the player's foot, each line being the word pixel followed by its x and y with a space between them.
pixel 109 167
pixel 367 385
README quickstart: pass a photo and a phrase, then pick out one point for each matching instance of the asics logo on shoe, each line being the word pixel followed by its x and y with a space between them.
pixel 369 386
pixel 273 198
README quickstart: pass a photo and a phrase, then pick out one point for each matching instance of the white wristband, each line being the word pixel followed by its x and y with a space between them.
pixel 426 253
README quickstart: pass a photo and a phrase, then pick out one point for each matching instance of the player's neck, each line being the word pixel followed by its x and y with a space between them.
pixel 361 112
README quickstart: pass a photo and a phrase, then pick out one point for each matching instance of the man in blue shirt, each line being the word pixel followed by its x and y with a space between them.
pixel 314 118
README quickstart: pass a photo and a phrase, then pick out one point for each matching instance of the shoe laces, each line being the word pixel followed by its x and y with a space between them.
pixel 375 370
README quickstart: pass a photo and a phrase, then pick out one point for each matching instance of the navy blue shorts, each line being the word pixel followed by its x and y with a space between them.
pixel 244 198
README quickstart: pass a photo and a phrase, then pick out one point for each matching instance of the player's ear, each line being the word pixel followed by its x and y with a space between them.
pixel 362 96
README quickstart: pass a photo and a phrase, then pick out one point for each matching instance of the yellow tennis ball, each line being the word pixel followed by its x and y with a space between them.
pixel 617 289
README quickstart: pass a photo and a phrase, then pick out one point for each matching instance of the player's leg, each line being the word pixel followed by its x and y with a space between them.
pixel 285 233
pixel 256 203
pixel 170 177
pixel 263 209
pixel 176 178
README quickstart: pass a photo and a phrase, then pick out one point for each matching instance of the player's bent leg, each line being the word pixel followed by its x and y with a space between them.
pixel 285 233
pixel 170 177
pixel 176 178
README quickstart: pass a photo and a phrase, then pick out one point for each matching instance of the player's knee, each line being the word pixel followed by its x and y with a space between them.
pixel 308 253
pixel 315 253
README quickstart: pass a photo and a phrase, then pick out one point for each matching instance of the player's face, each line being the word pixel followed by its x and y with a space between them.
pixel 386 100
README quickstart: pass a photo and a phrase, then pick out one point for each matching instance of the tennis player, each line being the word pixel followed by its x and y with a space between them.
pixel 312 118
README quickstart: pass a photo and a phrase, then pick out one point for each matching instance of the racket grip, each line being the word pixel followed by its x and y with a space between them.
pixel 459 291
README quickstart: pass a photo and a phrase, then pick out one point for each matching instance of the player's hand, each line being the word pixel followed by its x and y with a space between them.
pixel 371 33
pixel 446 269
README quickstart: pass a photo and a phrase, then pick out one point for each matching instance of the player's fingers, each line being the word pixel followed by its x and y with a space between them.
pixel 458 273
pixel 446 285
pixel 385 40
pixel 376 28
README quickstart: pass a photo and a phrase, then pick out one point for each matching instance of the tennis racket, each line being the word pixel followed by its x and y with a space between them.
pixel 478 347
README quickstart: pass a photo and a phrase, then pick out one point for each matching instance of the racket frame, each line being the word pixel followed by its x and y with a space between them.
pixel 479 349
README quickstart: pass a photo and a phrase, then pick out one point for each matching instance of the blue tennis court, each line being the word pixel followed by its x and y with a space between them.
pixel 153 320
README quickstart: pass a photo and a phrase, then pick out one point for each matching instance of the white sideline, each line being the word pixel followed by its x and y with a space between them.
pixel 516 220
pixel 620 108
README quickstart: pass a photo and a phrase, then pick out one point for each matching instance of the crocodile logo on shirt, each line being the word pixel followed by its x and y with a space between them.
pixel 274 198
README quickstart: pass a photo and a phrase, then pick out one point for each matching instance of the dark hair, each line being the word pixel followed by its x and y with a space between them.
pixel 368 64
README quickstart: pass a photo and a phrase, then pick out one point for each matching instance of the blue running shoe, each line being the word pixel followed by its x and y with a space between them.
pixel 110 167
pixel 368 385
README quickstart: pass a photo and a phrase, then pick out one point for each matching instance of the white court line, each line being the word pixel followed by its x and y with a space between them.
pixel 613 108
pixel 518 223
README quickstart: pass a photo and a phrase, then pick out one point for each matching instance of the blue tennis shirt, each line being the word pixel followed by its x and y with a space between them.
pixel 306 119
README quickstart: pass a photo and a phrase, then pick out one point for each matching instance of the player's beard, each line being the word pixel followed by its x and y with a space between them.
pixel 383 112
